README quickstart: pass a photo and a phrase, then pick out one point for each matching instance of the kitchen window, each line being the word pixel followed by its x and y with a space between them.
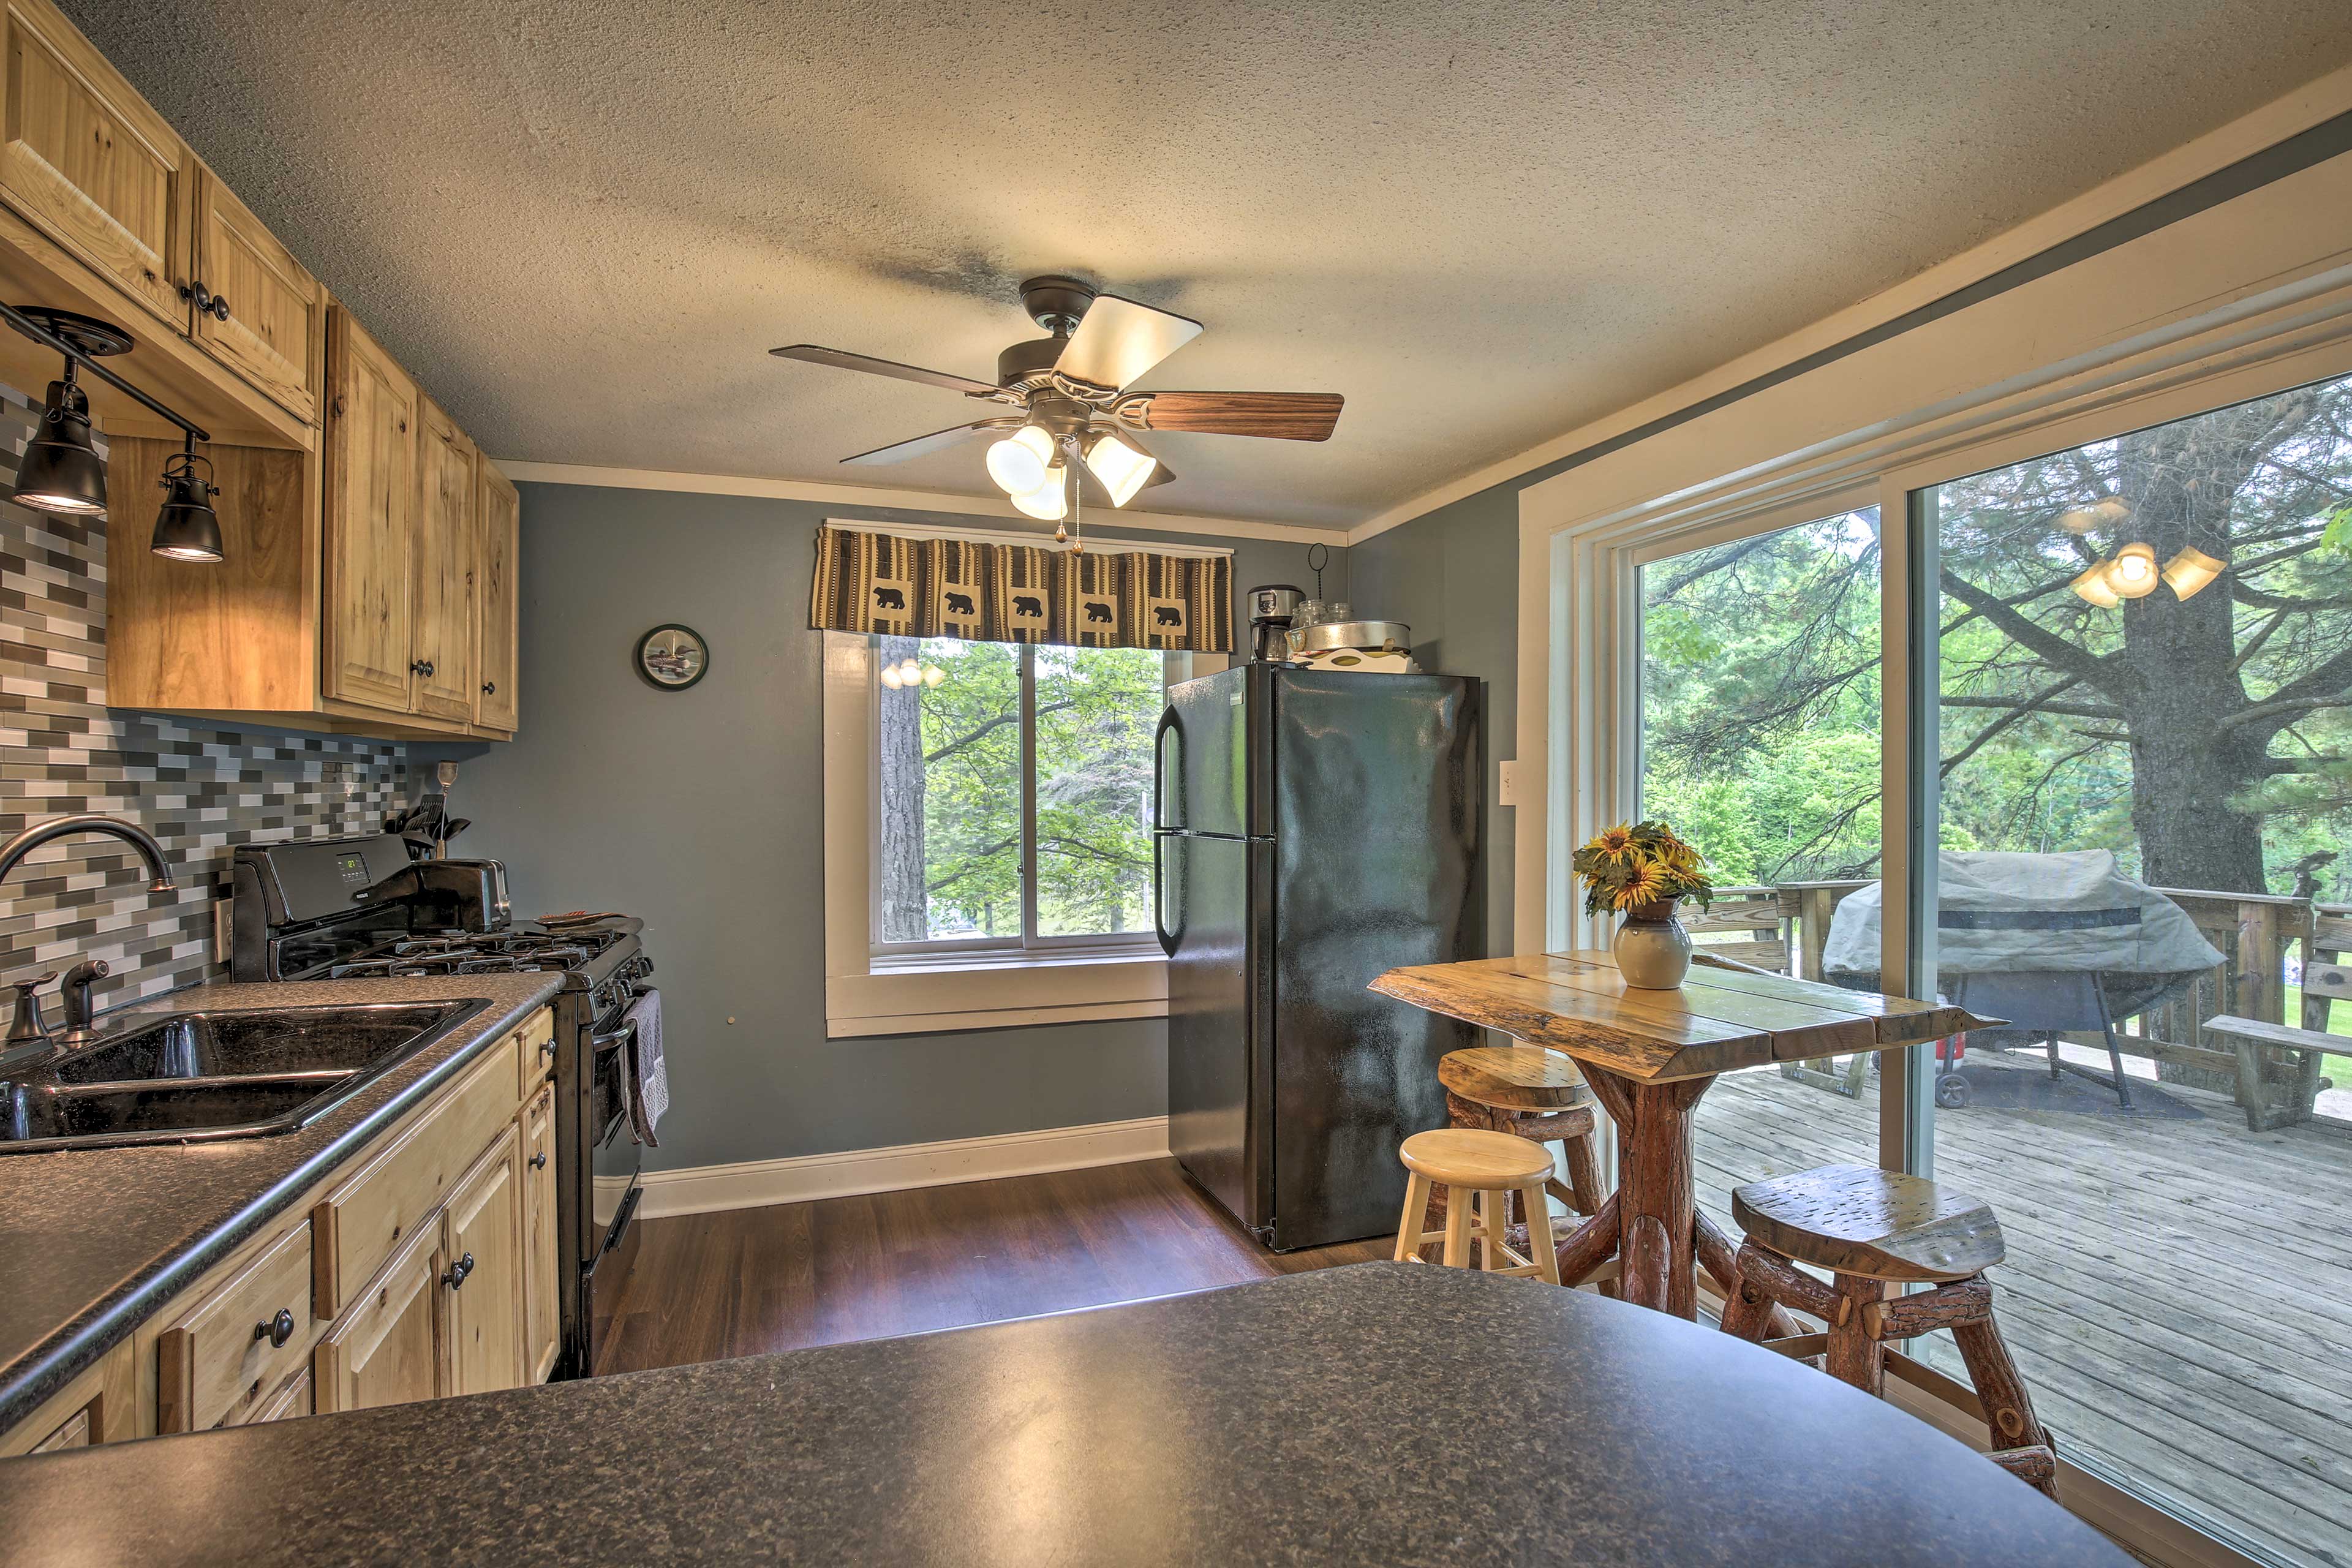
pixel 1012 798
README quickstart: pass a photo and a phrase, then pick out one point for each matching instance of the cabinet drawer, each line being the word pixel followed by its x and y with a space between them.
pixel 361 1221
pixel 289 1402
pixel 74 1434
pixel 533 1059
pixel 246 1337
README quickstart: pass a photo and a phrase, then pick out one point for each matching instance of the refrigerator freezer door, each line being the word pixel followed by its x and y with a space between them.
pixel 1375 800
pixel 1218 1079
pixel 1203 755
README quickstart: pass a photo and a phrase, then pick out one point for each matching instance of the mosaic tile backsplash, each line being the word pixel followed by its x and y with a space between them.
pixel 199 789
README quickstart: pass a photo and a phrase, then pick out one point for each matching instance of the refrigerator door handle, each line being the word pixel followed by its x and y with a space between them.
pixel 1159 767
pixel 1168 939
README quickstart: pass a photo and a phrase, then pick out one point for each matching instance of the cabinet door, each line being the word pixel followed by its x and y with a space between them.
pixel 83 156
pixel 387 1350
pixel 482 1240
pixel 442 646
pixel 371 528
pixel 273 304
pixel 542 1313
pixel 497 517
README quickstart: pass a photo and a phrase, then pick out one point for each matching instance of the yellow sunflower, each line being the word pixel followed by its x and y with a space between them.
pixel 1614 843
pixel 1645 884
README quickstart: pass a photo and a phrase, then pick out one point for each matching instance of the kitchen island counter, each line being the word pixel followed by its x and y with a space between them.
pixel 99 1239
pixel 1384 1413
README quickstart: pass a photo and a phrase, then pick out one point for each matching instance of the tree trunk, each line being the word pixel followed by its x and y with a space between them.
pixel 905 905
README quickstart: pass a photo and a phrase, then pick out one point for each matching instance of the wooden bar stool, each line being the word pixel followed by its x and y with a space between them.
pixel 1874 1229
pixel 1531 1094
pixel 1494 1165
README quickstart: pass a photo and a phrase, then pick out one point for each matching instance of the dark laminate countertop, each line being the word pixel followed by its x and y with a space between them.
pixel 96 1239
pixel 1382 1413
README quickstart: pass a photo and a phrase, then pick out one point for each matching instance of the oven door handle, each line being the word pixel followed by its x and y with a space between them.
pixel 599 1040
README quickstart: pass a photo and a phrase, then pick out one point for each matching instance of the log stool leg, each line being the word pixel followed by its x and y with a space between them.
pixel 2024 1448
pixel 1855 1356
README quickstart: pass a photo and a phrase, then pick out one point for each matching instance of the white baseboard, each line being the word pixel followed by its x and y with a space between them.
pixel 701 1189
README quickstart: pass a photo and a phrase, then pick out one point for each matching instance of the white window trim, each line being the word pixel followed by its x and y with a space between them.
pixel 901 993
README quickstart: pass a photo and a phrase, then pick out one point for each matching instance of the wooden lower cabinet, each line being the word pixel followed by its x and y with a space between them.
pixel 483 1272
pixel 289 1402
pixel 542 1314
pixel 387 1347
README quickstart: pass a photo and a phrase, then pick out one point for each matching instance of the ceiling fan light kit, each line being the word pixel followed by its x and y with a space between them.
pixel 1071 388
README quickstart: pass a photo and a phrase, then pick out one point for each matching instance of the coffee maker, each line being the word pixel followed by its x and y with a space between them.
pixel 1272 605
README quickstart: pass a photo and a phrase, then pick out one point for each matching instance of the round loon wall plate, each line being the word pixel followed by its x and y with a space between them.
pixel 672 658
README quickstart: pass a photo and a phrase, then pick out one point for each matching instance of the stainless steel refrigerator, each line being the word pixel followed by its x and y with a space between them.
pixel 1313 828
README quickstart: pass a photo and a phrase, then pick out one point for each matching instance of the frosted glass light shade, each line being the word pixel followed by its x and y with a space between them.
pixel 1048 502
pixel 2190 571
pixel 1018 462
pixel 2133 573
pixel 2092 586
pixel 1121 469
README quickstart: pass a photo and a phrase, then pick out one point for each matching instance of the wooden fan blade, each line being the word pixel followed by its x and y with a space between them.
pixel 1117 340
pixel 841 359
pixel 922 446
pixel 1281 416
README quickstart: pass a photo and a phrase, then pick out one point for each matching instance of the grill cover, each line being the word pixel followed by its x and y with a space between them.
pixel 2013 912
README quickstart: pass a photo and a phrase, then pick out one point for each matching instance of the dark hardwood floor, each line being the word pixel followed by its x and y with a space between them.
pixel 746 1282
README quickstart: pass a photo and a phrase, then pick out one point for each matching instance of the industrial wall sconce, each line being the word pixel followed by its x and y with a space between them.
pixel 61 471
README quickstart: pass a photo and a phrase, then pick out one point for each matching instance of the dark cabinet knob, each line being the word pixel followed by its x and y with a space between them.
pixel 456 1278
pixel 207 303
pixel 277 1331
pixel 422 667
pixel 539 1161
pixel 489 689
pixel 547 1049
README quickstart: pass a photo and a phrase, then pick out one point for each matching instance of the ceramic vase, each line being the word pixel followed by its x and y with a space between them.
pixel 1654 951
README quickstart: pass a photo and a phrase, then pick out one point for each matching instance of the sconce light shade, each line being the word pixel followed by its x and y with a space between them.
pixel 2092 584
pixel 2190 571
pixel 2133 573
pixel 61 471
pixel 187 529
pixel 1121 468
pixel 1050 502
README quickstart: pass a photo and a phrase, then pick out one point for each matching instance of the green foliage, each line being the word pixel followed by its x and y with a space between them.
pixel 1096 710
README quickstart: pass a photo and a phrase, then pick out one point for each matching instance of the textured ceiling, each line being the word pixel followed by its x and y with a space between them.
pixel 581 222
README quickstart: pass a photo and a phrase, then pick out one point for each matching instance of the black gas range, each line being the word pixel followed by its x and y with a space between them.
pixel 360 908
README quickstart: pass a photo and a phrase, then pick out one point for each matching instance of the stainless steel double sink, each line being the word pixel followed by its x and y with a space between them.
pixel 211 1073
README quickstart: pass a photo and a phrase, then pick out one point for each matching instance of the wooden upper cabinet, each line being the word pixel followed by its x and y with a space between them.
pixel 84 158
pixel 443 641
pixel 274 309
pixel 482 1260
pixel 372 497
pixel 497 511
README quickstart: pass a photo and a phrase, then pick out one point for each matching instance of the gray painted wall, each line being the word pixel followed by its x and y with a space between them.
pixel 701 811
pixel 1453 575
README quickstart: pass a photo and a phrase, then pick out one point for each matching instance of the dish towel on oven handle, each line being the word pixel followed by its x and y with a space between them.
pixel 648 1075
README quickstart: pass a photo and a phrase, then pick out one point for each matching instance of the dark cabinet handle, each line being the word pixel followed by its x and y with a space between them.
pixel 547 1049
pixel 277 1331
pixel 489 689
pixel 422 667
pixel 539 1161
pixel 457 1272
pixel 207 302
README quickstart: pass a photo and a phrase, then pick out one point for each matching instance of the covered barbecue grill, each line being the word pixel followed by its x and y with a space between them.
pixel 2051 943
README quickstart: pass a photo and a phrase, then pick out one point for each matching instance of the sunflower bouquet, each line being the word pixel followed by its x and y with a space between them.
pixel 1625 867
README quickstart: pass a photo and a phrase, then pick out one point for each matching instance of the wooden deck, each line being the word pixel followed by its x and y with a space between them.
pixel 2177 1294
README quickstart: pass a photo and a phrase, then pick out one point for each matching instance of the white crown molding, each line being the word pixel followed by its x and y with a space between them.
pixel 2298 112
pixel 901 501
pixel 754 1183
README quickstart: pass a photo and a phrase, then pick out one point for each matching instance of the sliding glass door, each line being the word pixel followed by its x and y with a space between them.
pixel 2143 668
pixel 1758 728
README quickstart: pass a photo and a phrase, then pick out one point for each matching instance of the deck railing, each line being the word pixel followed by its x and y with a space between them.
pixel 1784 926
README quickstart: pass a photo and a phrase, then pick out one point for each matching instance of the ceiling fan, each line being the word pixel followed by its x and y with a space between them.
pixel 1075 413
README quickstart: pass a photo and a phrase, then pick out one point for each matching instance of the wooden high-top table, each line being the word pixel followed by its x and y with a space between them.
pixel 1649 1055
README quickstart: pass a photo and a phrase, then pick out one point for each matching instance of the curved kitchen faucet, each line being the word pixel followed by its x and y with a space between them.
pixel 27 1028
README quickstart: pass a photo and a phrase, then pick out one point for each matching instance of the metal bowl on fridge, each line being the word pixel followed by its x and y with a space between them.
pixel 1362 637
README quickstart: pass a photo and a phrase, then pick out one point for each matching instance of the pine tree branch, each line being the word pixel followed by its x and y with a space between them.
pixel 2054 649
